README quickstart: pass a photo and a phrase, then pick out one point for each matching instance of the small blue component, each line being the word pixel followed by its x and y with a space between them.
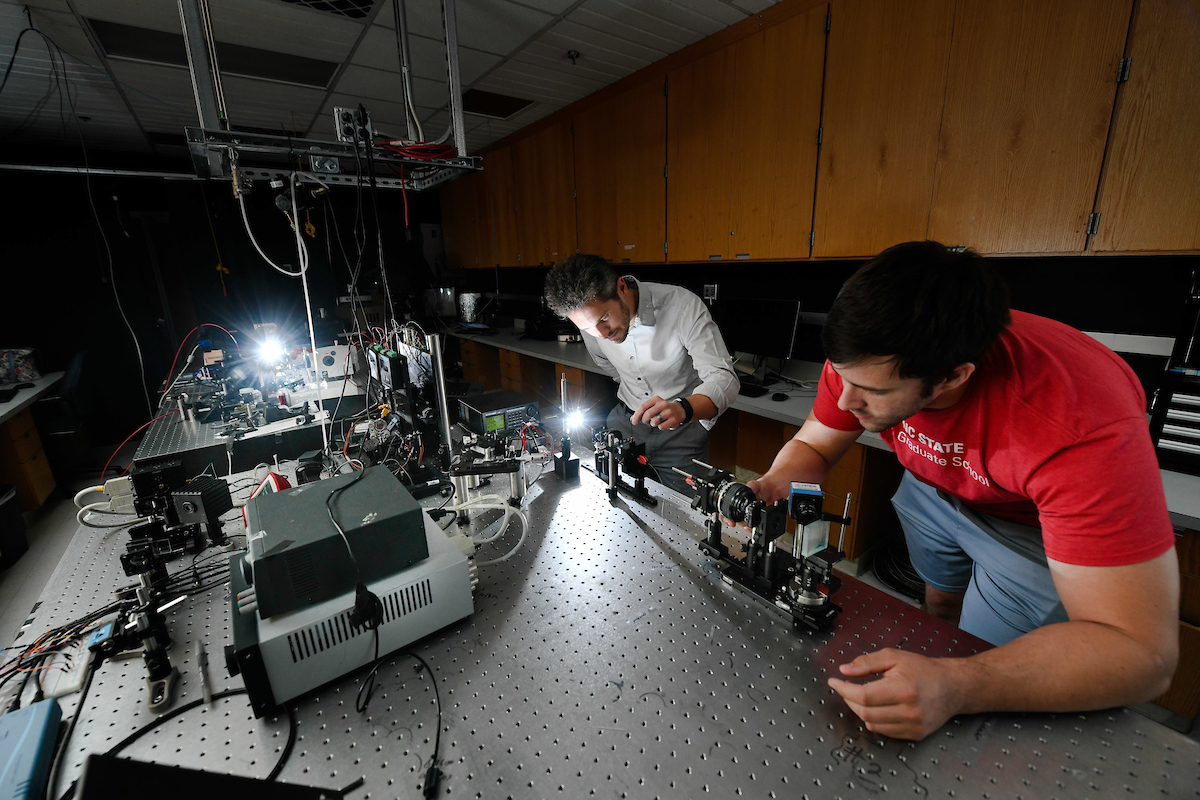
pixel 100 636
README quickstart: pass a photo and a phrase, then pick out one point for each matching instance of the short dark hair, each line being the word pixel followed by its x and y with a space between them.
pixel 578 281
pixel 928 306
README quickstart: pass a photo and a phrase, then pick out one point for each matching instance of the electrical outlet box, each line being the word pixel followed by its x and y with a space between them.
pixel 328 164
pixel 352 125
pixel 710 292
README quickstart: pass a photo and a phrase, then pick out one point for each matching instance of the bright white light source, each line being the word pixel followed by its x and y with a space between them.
pixel 270 351
pixel 574 420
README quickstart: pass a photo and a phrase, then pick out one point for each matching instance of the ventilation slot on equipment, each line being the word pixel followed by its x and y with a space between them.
pixel 407 600
pixel 324 635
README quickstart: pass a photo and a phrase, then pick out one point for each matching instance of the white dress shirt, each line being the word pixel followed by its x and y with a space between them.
pixel 673 349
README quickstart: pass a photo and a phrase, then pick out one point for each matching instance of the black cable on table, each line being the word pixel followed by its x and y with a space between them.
pixel 433 775
pixel 170 715
pixel 62 745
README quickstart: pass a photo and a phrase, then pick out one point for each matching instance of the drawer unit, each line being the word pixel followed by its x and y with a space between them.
pixel 23 462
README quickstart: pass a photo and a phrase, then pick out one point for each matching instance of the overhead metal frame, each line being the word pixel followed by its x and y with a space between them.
pixel 218 152
pixel 204 144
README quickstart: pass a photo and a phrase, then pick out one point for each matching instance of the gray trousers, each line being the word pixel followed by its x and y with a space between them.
pixel 665 449
pixel 1000 565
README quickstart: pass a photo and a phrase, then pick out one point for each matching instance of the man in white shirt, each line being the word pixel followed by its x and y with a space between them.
pixel 662 347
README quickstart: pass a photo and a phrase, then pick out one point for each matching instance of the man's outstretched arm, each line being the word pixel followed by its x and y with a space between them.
pixel 806 457
pixel 1119 647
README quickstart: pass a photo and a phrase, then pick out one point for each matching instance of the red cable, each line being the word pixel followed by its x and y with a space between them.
pixel 127 438
pixel 184 341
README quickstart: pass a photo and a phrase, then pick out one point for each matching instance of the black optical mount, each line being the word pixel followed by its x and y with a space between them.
pixel 615 455
pixel 800 586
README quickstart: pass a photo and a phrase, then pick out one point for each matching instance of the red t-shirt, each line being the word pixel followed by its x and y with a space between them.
pixel 1052 431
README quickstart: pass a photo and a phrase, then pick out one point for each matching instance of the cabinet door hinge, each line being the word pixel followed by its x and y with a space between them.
pixel 1093 223
pixel 575 194
pixel 664 248
pixel 664 170
pixel 1123 70
pixel 812 238
pixel 828 20
pixel 664 88
pixel 820 135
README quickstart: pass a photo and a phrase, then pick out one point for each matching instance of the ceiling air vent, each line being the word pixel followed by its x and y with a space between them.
pixel 160 47
pixel 354 9
pixel 489 104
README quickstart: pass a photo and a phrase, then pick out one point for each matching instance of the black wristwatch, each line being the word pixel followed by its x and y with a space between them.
pixel 687 409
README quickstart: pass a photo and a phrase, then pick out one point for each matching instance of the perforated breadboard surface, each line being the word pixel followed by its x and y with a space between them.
pixel 607 659
pixel 171 435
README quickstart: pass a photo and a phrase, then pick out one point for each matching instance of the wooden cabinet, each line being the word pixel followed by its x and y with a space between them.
pixel 885 80
pixel 591 393
pixel 501 190
pixel 23 462
pixel 480 364
pixel 544 181
pixel 594 130
pixel 620 154
pixel 722 441
pixel 640 176
pixel 1028 103
pixel 528 375
pixel 699 168
pixel 510 370
pixel 467 221
pixel 1149 197
pixel 742 144
pixel 457 231
pixel 777 110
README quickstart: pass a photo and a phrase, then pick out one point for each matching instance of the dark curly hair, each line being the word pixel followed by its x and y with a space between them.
pixel 578 281
pixel 928 306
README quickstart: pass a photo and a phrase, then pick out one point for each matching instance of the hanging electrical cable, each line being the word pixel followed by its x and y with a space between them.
pixel 302 254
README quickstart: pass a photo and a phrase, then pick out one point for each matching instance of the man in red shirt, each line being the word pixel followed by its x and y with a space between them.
pixel 1033 506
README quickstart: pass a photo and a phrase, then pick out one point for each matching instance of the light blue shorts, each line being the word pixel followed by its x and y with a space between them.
pixel 1002 570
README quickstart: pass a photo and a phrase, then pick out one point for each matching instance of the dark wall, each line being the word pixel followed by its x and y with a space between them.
pixel 59 285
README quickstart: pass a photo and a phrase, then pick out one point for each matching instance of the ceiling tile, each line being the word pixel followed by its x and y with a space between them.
pixel 589 39
pixel 493 26
pixel 753 6
pixel 549 56
pixel 722 12
pixel 673 13
pixel 591 48
pixel 165 103
pixel 628 24
pixel 569 83
pixel 378 50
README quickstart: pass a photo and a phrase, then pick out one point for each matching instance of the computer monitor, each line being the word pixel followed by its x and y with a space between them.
pixel 762 326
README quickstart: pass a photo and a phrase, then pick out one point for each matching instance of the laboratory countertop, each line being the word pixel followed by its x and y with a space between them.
pixel 1182 490
pixel 25 397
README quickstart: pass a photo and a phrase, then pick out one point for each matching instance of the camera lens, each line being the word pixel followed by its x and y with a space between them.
pixel 734 499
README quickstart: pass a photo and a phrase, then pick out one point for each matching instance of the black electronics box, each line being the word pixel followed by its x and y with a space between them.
pixel 203 500
pixel 298 559
pixel 153 482
pixel 504 412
